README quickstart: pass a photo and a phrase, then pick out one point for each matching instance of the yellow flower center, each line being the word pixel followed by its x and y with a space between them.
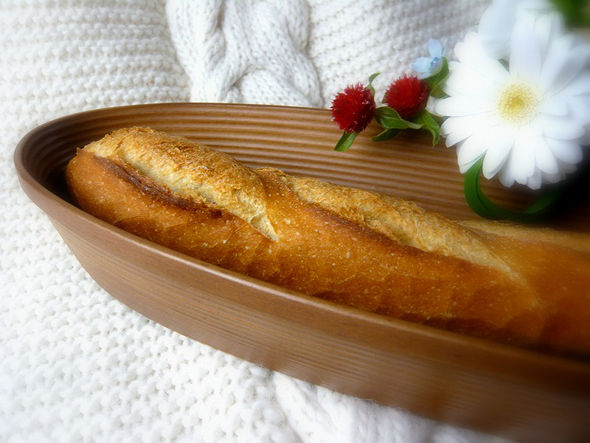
pixel 518 103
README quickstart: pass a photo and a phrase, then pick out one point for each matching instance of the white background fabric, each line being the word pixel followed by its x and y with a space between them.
pixel 77 365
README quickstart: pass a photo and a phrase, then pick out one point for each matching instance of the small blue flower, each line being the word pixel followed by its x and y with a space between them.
pixel 428 66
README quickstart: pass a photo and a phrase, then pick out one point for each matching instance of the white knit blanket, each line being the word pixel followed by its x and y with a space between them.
pixel 76 364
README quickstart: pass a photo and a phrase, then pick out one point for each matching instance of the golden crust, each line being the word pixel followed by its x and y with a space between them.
pixel 216 178
pixel 350 246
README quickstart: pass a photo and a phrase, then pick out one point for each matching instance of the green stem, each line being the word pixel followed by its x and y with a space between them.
pixel 483 206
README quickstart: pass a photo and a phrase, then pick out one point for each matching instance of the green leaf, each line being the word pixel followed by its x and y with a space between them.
pixel 370 84
pixel 384 111
pixel 373 77
pixel 390 119
pixel 386 135
pixel 435 81
pixel 345 141
pixel 430 124
pixel 392 123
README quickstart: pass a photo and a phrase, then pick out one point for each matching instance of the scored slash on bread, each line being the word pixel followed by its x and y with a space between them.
pixel 374 252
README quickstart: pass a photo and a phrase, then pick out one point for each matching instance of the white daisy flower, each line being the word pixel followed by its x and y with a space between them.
pixel 529 120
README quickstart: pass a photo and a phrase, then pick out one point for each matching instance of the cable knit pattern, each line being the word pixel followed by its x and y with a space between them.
pixel 76 364
pixel 244 51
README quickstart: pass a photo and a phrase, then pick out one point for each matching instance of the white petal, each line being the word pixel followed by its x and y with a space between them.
pixel 581 104
pixel 525 53
pixel 522 160
pixel 579 86
pixel 555 106
pixel 456 136
pixel 471 150
pixel 495 27
pixel 585 139
pixel 497 153
pixel 554 178
pixel 431 105
pixel 498 48
pixel 567 151
pixel 506 177
pixel 535 181
pixel 464 80
pixel 579 110
pixel 460 105
pixel 560 128
pixel 567 169
pixel 544 158
pixel 562 64
pixel 471 53
pixel 457 129
pixel 547 26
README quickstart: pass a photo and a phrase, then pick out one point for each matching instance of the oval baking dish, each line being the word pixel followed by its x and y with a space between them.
pixel 438 374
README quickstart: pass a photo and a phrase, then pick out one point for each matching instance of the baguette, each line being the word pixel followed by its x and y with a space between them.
pixel 527 287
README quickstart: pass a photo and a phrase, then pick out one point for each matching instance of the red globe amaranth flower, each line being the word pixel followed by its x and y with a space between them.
pixel 354 108
pixel 407 95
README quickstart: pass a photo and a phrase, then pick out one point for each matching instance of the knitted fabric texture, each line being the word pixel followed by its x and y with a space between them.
pixel 241 51
pixel 76 364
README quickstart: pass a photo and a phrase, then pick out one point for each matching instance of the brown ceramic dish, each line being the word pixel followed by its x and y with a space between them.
pixel 458 379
